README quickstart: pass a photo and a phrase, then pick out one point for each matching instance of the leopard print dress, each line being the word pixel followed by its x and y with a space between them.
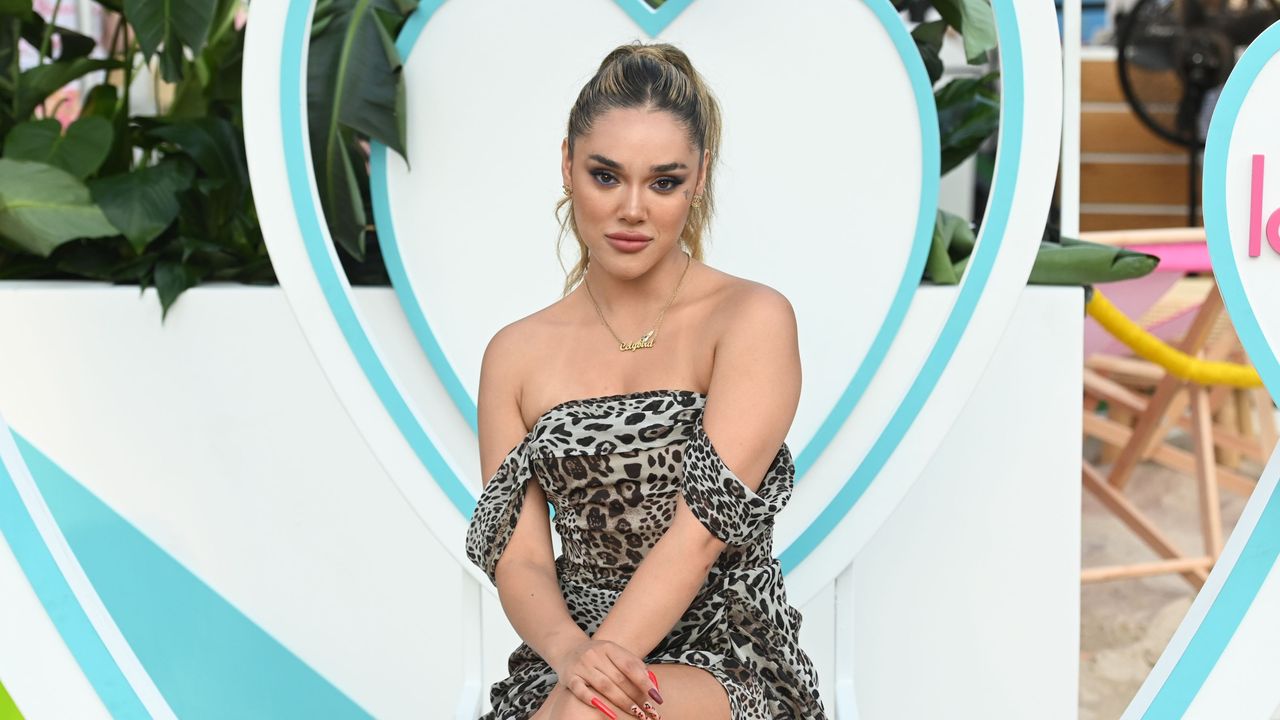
pixel 612 468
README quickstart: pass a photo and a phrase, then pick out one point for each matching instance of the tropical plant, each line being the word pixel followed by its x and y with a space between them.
pixel 968 118
pixel 968 108
pixel 163 199
pixel 355 93
pixel 157 200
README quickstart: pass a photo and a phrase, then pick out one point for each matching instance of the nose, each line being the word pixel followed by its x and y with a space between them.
pixel 633 207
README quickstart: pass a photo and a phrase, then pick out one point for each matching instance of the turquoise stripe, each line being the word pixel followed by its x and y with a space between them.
pixel 1008 160
pixel 1260 550
pixel 650 20
pixel 378 186
pixel 59 602
pixel 206 658
pixel 931 174
pixel 324 262
pixel 889 327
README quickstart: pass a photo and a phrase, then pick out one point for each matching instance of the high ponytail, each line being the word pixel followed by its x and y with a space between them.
pixel 657 77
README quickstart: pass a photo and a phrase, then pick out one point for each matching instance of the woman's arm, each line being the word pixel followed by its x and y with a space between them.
pixel 755 388
pixel 530 593
pixel 525 572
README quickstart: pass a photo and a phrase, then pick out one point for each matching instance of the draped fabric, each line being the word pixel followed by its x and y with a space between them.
pixel 613 467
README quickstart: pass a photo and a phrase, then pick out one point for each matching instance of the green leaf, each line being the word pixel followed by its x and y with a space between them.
pixel 136 269
pixel 975 22
pixel 40 82
pixel 18 8
pixel 91 258
pixel 102 101
pixel 211 142
pixel 1077 262
pixel 171 57
pixel 167 26
pixel 143 203
pixel 968 114
pixel 42 206
pixel 173 278
pixel 188 97
pixel 344 201
pixel 73 44
pixel 959 233
pixel 928 37
pixel 354 82
pixel 952 243
pixel 937 266
pixel 80 151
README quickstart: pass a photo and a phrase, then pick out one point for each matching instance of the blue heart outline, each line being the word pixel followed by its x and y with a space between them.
pixel 1258 551
pixel 650 19
pixel 324 262
pixel 976 276
pixel 978 272
pixel 885 335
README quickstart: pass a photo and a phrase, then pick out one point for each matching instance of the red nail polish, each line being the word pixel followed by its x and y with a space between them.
pixel 601 707
pixel 654 678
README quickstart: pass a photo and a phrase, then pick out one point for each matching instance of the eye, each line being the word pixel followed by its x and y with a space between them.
pixel 674 183
pixel 600 174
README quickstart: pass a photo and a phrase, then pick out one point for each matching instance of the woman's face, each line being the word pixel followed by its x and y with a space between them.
pixel 635 175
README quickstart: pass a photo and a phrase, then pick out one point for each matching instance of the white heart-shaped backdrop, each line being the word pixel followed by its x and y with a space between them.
pixel 874 408
pixel 1223 659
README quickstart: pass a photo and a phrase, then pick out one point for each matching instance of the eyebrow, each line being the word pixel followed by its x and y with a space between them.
pixel 656 168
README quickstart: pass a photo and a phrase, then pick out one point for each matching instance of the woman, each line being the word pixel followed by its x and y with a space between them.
pixel 667 600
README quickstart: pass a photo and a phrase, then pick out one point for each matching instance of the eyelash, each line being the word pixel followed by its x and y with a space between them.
pixel 675 182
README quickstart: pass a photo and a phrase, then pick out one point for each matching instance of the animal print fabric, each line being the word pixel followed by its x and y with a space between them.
pixel 613 467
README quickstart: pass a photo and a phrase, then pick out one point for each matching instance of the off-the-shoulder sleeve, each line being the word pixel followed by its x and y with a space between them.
pixel 729 509
pixel 498 509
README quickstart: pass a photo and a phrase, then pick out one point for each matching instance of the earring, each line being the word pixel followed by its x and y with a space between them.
pixel 567 191
pixel 697 201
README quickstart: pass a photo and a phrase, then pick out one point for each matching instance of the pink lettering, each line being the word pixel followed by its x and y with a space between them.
pixel 1255 207
pixel 1255 213
pixel 1273 231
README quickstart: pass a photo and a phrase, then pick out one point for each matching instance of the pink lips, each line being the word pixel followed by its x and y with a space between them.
pixel 628 242
pixel 627 236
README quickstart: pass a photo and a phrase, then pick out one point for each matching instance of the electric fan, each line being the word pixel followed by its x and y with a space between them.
pixel 1173 57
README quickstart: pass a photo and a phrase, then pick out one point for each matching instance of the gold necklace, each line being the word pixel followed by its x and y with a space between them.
pixel 646 340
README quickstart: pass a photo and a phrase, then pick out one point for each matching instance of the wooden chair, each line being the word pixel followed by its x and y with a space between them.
pixel 1146 403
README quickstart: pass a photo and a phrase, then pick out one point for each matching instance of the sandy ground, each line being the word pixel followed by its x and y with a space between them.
pixel 1125 624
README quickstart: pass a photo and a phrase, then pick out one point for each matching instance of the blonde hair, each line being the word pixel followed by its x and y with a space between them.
pixel 658 77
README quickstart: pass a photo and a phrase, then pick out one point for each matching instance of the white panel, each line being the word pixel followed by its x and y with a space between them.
pixel 282 509
pixel 968 597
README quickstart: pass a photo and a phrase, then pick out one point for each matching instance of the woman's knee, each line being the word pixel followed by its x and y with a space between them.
pixel 689 692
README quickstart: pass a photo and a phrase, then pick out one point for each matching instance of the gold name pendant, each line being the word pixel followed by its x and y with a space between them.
pixel 644 342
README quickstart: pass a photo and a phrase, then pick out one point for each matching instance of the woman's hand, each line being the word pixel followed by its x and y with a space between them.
pixel 607 670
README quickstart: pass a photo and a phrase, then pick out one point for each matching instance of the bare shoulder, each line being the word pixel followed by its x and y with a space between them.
pixel 756 376
pixel 503 367
pixel 748 309
pixel 756 341
pixel 499 366
pixel 503 371
pixel 506 363
pixel 500 355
